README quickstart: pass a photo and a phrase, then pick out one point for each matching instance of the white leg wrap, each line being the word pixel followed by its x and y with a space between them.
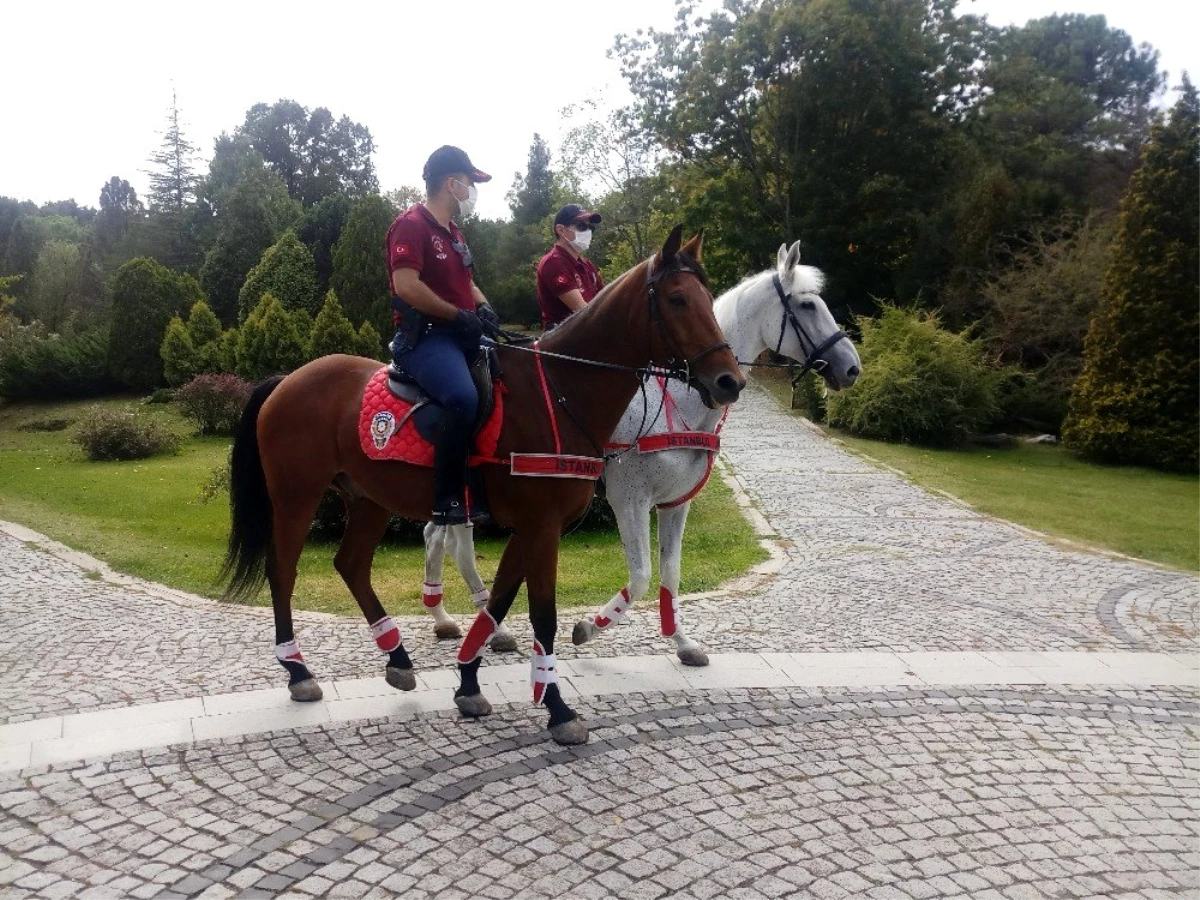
pixel 386 634
pixel 543 671
pixel 289 651
pixel 431 594
pixel 480 598
pixel 614 610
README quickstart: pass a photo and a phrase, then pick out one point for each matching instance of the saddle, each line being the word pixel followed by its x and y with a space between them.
pixel 399 421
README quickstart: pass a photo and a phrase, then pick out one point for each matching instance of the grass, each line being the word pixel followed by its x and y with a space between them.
pixel 146 518
pixel 1136 511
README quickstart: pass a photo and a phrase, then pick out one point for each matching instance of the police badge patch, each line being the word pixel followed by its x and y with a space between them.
pixel 383 426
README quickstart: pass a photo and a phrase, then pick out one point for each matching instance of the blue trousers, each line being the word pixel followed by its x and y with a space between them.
pixel 440 365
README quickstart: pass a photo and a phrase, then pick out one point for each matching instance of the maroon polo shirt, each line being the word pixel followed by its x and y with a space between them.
pixel 418 241
pixel 558 273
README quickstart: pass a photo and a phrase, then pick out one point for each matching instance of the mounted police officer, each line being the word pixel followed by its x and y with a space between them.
pixel 566 279
pixel 440 316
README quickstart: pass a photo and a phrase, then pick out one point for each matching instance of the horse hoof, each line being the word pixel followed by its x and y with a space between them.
pixel 692 656
pixel 473 706
pixel 503 642
pixel 568 733
pixel 583 632
pixel 401 679
pixel 447 631
pixel 305 691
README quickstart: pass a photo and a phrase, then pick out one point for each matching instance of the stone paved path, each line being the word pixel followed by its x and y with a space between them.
pixel 970 711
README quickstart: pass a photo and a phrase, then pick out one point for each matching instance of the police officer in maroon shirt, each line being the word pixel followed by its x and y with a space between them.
pixel 566 280
pixel 441 315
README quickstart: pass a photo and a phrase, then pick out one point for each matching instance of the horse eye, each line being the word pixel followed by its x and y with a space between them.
pixel 807 304
pixel 677 300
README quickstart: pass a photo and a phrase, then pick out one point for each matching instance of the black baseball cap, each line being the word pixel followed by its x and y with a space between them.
pixel 447 160
pixel 574 214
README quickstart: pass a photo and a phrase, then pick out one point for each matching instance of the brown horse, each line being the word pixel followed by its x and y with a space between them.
pixel 299 436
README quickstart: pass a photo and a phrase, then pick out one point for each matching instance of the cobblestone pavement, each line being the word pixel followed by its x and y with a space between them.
pixel 892 790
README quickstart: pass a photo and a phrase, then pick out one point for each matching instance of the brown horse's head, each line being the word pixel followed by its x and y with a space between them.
pixel 686 334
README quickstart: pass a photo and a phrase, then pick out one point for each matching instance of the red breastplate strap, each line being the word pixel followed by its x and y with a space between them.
pixel 556 464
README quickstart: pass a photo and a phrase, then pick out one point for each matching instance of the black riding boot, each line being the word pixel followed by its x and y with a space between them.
pixel 450 470
pixel 479 508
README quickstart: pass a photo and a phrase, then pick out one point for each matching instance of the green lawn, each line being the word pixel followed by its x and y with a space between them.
pixel 1141 512
pixel 146 518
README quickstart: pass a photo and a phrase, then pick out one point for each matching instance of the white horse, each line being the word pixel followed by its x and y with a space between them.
pixel 670 440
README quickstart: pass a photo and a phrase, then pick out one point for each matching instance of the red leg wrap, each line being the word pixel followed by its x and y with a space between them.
pixel 603 621
pixel 482 628
pixel 431 595
pixel 386 634
pixel 666 611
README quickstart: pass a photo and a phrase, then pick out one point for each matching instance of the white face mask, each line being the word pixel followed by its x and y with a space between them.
pixel 583 240
pixel 466 207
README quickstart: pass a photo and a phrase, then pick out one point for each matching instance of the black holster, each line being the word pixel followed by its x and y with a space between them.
pixel 411 327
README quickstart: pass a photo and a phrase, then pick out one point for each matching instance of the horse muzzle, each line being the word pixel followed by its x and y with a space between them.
pixel 721 390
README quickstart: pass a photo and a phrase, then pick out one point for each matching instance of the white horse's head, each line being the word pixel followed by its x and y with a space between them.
pixel 795 322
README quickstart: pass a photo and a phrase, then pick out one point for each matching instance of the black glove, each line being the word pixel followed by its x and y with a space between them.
pixel 491 321
pixel 469 325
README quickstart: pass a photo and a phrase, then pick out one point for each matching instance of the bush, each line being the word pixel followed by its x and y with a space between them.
pixel 370 344
pixel 286 270
pixel 269 342
pixel 108 434
pixel 162 395
pixel 35 365
pixel 146 295
pixel 332 331
pixel 920 384
pixel 181 360
pixel 809 395
pixel 214 402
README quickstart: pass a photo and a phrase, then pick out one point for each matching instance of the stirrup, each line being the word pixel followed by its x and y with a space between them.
pixel 455 515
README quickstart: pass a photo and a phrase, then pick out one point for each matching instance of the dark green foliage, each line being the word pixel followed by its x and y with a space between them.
pixel 181 361
pixel 146 296
pixel 251 216
pixel 203 326
pixel 1138 398
pixel 109 434
pixel 214 402
pixel 920 383
pixel 809 396
pixel 332 331
pixel 37 366
pixel 531 197
pixel 269 342
pixel 370 344
pixel 319 229
pixel 287 271
pixel 360 277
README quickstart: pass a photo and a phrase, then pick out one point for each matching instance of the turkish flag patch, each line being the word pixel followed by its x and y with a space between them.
pixel 562 279
pixel 402 250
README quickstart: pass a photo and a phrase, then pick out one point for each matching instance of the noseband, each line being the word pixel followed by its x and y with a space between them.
pixel 816 359
pixel 682 372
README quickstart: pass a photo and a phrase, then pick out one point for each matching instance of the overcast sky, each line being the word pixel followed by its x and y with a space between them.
pixel 88 85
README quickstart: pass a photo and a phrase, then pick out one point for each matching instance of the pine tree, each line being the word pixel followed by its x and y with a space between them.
pixel 181 360
pixel 1138 398
pixel 287 271
pixel 145 295
pixel 268 341
pixel 332 331
pixel 532 195
pixel 370 344
pixel 203 326
pixel 173 180
pixel 360 264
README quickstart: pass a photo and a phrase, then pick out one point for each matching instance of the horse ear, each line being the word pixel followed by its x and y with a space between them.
pixel 671 247
pixel 781 256
pixel 695 247
pixel 793 256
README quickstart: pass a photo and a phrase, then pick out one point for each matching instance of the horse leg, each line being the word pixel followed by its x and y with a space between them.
pixel 444 627
pixel 541 560
pixel 671 524
pixel 461 540
pixel 366 522
pixel 290 524
pixel 633 520
pixel 509 574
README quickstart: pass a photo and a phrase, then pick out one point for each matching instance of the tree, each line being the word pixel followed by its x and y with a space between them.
pixel 24 243
pixel 360 277
pixel 181 360
pixel 319 229
pixel 268 342
pixel 287 271
pixel 315 155
pixel 251 215
pixel 370 344
pixel 531 196
pixel 203 326
pixel 11 210
pixel 120 208
pixel 146 295
pixel 1138 398
pixel 332 331
pixel 173 178
pixel 65 286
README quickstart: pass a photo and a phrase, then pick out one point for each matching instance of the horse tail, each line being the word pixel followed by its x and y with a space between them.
pixel 249 503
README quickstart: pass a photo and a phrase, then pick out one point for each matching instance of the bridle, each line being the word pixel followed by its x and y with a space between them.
pixel 816 359
pixel 676 369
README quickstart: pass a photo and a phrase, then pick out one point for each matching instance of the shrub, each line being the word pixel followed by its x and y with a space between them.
pixel 332 331
pixel 268 343
pixel 203 326
pixel 181 361
pixel 108 434
pixel 808 396
pixel 162 395
pixel 35 365
pixel 920 384
pixel 214 402
pixel 145 297
pixel 286 270
pixel 370 344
